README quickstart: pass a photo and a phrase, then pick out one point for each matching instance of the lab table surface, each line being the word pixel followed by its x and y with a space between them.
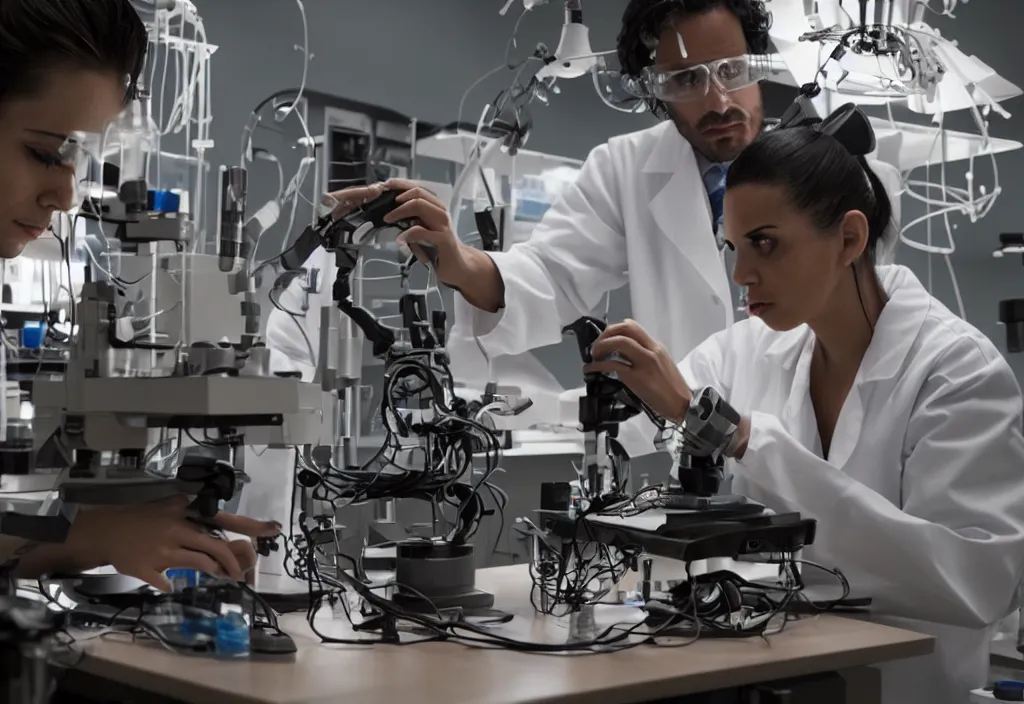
pixel 444 673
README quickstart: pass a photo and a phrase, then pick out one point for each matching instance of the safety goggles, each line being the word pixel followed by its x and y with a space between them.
pixel 86 154
pixel 693 82
pixel 79 153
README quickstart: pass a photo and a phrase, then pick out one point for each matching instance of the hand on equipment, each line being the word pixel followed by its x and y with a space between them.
pixel 433 227
pixel 142 541
pixel 644 366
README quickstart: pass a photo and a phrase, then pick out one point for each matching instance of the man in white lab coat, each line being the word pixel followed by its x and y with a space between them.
pixel 644 211
pixel 645 206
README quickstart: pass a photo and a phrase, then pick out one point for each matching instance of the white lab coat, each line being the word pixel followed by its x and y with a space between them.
pixel 921 501
pixel 288 349
pixel 637 215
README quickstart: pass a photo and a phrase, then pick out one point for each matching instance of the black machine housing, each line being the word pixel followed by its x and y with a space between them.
pixel 1011 310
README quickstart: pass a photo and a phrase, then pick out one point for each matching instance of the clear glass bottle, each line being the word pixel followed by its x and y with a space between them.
pixel 134 138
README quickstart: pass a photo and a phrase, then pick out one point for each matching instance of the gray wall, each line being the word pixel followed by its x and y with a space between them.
pixel 414 56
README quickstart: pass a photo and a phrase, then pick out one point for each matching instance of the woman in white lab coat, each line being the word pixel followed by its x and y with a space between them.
pixel 866 405
pixel 68 67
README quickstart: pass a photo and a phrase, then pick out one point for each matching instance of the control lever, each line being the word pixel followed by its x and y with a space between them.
pixel 362 225
pixel 597 408
pixel 586 330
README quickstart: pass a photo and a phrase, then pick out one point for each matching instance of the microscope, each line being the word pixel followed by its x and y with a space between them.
pixel 697 521
pixel 697 444
pixel 164 350
pixel 605 405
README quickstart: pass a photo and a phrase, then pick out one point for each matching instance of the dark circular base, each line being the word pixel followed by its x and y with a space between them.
pixel 473 601
pixel 431 576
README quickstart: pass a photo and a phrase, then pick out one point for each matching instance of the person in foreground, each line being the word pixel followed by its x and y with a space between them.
pixel 67 66
pixel 866 405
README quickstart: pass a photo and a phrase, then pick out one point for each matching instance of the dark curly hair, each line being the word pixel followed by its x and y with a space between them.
pixel 39 35
pixel 644 20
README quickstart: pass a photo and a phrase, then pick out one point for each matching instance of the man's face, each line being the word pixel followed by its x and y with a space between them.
pixel 719 125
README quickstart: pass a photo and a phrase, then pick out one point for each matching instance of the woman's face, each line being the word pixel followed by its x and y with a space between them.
pixel 790 267
pixel 33 182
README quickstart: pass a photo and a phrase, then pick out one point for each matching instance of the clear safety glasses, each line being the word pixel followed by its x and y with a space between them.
pixel 694 82
pixel 79 155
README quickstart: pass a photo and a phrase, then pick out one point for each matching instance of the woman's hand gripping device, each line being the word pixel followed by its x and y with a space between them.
pixel 700 440
pixel 606 404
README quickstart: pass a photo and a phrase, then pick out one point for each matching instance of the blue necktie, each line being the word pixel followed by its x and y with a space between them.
pixel 714 182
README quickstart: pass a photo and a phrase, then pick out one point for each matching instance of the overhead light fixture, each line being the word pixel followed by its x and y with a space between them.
pixel 574 57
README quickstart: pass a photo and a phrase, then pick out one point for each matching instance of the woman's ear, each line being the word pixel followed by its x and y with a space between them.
pixel 854 229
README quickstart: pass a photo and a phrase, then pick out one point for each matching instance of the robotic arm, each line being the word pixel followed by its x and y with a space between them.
pixel 346 237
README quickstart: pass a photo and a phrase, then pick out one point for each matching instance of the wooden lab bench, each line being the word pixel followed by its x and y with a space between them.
pixel 449 673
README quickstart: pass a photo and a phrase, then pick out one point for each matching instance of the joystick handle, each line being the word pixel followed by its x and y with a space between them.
pixel 586 330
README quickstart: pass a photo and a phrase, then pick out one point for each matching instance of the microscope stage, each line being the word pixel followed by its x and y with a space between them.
pixel 691 539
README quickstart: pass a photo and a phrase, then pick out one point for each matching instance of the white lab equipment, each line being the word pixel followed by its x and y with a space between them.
pixel 179 55
pixel 532 196
pixel 573 57
pixel 849 51
pixel 908 146
pixel 155 356
pixel 921 500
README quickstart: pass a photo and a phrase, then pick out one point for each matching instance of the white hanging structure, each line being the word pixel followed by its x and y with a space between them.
pixel 890 56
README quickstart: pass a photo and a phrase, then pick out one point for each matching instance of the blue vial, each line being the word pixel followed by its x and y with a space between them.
pixel 33 334
pixel 182 579
pixel 232 639
pixel 200 626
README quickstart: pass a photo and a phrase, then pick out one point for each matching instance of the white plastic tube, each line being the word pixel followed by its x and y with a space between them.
pixel 480 159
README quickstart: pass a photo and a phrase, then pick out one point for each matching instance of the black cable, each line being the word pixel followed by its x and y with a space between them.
pixel 860 297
